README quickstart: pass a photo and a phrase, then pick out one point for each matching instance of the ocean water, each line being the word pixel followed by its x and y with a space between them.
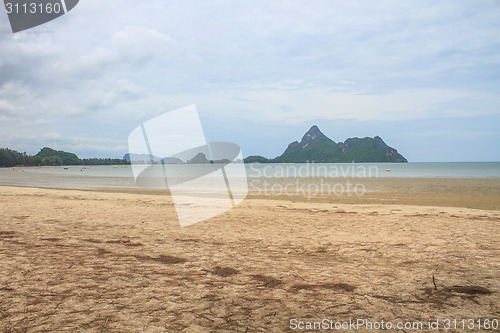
pixel 377 170
pixel 122 176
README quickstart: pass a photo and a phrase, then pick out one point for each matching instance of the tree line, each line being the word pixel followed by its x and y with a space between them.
pixel 50 157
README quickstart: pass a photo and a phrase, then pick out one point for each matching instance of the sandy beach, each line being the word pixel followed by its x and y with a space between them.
pixel 116 260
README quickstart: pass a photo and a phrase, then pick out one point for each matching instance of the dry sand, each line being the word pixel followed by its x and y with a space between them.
pixel 118 261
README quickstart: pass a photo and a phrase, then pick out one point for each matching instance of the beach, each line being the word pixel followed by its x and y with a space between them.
pixel 116 259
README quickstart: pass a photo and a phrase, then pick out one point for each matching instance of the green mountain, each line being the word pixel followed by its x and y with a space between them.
pixel 257 159
pixel 317 147
pixel 50 156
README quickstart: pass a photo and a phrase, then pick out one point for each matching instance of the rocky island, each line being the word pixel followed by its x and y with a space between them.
pixel 317 147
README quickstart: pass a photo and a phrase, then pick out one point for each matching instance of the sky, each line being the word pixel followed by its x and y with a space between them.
pixel 423 75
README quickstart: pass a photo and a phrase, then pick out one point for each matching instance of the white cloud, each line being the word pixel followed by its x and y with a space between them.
pixel 139 43
pixel 454 133
pixel 6 109
pixel 308 105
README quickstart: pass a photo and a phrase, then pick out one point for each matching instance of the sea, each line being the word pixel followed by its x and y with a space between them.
pixel 122 176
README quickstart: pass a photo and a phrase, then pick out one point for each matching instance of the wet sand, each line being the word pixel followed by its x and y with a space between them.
pixel 481 193
pixel 115 260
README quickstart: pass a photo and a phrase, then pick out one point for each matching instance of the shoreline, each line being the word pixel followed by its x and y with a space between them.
pixel 478 193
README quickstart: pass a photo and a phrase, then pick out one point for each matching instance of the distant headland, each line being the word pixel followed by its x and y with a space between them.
pixel 317 147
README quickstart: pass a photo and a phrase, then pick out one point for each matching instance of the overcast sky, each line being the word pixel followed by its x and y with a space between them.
pixel 423 75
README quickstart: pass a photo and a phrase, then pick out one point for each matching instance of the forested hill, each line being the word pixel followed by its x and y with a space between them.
pixel 317 147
